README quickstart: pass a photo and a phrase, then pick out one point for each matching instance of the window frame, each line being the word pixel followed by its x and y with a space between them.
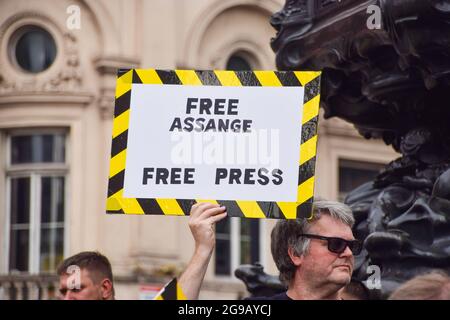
pixel 35 171
pixel 340 141
pixel 361 164
pixel 13 40
pixel 235 246
pixel 4 195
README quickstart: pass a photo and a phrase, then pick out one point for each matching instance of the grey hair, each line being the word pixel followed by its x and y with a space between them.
pixel 285 235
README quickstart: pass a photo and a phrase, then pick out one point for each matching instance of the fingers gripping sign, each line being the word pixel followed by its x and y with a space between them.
pixel 202 219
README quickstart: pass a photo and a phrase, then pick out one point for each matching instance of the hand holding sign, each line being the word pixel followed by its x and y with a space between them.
pixel 202 219
pixel 203 216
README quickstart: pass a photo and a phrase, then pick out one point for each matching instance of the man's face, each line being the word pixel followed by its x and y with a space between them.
pixel 88 289
pixel 323 266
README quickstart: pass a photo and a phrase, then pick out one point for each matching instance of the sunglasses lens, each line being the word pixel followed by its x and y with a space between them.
pixel 337 245
pixel 356 247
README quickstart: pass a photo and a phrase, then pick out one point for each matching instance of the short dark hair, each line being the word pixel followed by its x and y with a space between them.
pixel 96 263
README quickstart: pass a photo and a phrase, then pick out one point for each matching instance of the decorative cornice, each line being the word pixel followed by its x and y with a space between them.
pixel 109 65
pixel 33 98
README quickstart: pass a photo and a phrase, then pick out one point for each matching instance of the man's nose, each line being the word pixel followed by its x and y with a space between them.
pixel 347 252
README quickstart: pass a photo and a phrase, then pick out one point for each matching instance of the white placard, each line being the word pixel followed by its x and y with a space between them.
pixel 206 165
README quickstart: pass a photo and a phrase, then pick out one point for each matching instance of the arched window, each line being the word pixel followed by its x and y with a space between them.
pixel 238 63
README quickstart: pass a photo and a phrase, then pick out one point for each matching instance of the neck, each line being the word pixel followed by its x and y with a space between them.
pixel 299 289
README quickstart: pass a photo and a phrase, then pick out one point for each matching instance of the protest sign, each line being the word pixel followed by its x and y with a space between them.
pixel 171 291
pixel 246 140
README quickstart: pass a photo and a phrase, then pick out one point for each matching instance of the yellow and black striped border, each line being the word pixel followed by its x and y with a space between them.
pixel 171 291
pixel 310 80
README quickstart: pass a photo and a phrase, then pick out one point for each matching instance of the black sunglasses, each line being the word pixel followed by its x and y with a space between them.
pixel 338 245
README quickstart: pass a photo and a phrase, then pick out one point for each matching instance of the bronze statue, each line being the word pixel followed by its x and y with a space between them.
pixel 392 83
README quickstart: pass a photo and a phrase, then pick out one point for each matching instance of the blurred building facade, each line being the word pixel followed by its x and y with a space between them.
pixel 57 83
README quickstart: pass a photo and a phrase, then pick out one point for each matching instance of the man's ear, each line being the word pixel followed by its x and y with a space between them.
pixel 107 289
pixel 296 260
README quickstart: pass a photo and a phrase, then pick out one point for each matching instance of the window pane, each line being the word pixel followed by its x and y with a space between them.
pixel 237 63
pixel 52 248
pixel 35 50
pixel 245 227
pixel 18 250
pixel 52 199
pixel 223 257
pixel 254 234
pixel 249 241
pixel 19 226
pixel 223 248
pixel 37 148
pixel 245 252
pixel 223 227
pixel 20 200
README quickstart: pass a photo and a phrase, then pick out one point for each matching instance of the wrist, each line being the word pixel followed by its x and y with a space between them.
pixel 204 250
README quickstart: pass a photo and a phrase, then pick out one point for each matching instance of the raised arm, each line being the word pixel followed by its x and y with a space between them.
pixel 202 219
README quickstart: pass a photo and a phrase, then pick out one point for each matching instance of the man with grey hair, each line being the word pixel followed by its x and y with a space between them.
pixel 315 257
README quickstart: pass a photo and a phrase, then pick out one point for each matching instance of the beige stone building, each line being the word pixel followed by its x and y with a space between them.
pixel 58 63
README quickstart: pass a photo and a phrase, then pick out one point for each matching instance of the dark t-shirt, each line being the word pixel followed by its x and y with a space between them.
pixel 278 296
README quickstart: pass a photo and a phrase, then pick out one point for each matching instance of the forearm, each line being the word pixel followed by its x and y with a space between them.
pixel 192 278
pixel 201 222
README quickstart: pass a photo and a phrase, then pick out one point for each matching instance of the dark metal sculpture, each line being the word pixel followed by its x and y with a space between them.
pixel 259 283
pixel 392 83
